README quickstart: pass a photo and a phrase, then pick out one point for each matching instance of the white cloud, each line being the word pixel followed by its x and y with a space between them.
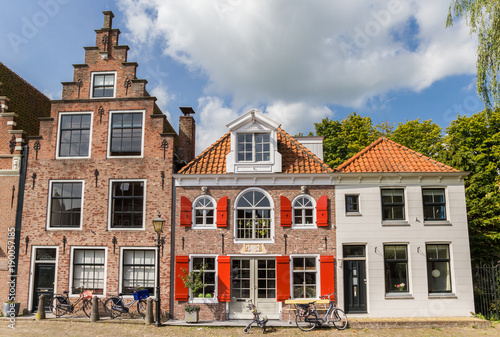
pixel 163 97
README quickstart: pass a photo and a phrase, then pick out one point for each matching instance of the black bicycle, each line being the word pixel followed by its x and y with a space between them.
pixel 115 305
pixel 307 318
pixel 261 322
pixel 60 304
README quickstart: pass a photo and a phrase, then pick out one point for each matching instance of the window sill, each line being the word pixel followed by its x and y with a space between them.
pixel 396 296
pixel 205 300
pixel 353 214
pixel 304 227
pixel 70 158
pixel 64 228
pixel 203 228
pixel 395 223
pixel 125 229
pixel 437 223
pixel 442 295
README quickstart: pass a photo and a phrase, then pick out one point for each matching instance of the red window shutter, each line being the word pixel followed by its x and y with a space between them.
pixel 185 212
pixel 224 282
pixel 282 278
pixel 327 274
pixel 322 211
pixel 222 212
pixel 286 212
pixel 181 292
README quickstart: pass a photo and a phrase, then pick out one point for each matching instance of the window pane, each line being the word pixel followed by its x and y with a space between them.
pixel 126 131
pixel 438 268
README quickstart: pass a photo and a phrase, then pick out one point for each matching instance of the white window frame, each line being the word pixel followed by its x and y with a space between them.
pixel 318 273
pixel 110 205
pixel 32 273
pixel 446 220
pixel 71 267
pixel 120 279
pixel 397 222
pixel 58 144
pixel 110 128
pixel 453 285
pixel 92 75
pixel 254 147
pixel 409 293
pixel 235 217
pixel 206 300
pixel 204 226
pixel 49 206
pixel 350 213
pixel 306 226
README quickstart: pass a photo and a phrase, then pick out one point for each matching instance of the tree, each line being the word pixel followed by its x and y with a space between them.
pixel 474 145
pixel 344 139
pixel 424 137
pixel 483 18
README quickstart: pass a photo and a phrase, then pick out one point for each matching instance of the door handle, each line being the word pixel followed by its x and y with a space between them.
pixel 365 281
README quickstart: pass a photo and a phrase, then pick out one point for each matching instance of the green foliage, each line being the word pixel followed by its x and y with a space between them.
pixel 424 137
pixel 473 144
pixel 344 139
pixel 194 282
pixel 483 18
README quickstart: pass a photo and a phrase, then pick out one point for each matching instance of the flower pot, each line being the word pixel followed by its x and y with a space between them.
pixel 191 317
pixel 11 309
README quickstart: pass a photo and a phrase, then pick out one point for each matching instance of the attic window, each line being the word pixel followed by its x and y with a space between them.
pixel 254 147
pixel 103 85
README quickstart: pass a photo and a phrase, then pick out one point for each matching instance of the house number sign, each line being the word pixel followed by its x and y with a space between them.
pixel 252 248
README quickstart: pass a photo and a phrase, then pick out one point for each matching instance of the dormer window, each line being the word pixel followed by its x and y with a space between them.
pixel 103 85
pixel 254 147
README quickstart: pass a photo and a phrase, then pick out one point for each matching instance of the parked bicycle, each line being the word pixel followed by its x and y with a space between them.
pixel 60 304
pixel 261 322
pixel 115 305
pixel 307 317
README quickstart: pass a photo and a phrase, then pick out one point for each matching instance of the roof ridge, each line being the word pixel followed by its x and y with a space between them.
pixel 359 154
pixel 201 155
pixel 309 153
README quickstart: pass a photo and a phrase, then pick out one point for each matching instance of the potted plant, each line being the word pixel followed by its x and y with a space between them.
pixel 194 282
pixel 11 307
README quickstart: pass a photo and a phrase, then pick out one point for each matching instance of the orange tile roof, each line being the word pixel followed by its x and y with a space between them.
pixel 384 155
pixel 295 157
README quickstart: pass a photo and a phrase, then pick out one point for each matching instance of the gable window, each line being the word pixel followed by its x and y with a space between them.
pixel 438 268
pixel 303 211
pixel 138 270
pixel 65 204
pixel 396 268
pixel 127 204
pixel 74 135
pixel 352 203
pixel 393 204
pixel 103 85
pixel 203 211
pixel 88 270
pixel 434 204
pixel 254 147
pixel 208 278
pixel 304 277
pixel 253 216
pixel 126 134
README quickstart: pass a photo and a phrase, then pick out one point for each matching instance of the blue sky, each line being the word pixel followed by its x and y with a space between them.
pixel 298 61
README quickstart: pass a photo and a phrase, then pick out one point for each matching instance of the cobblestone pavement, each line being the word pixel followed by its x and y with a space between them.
pixel 57 328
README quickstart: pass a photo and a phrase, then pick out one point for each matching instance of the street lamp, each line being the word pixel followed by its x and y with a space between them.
pixel 158 224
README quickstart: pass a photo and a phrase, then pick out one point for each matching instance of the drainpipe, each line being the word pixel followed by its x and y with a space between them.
pixel 19 214
pixel 172 251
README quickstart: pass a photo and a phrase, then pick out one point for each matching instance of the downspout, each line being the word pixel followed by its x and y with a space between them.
pixel 19 215
pixel 172 251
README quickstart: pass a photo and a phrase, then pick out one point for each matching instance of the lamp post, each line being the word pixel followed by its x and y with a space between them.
pixel 158 224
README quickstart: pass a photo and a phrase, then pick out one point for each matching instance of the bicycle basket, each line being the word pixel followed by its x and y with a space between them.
pixel 141 294
pixel 302 310
pixel 87 294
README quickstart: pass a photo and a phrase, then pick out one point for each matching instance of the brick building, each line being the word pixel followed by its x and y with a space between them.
pixel 99 172
pixel 20 106
pixel 258 209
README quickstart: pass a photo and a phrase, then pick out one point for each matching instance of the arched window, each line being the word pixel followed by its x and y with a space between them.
pixel 253 216
pixel 204 212
pixel 303 211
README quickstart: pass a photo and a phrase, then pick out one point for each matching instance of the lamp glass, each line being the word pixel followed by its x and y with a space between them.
pixel 158 224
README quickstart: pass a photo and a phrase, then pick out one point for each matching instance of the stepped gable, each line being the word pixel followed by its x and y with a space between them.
pixel 384 155
pixel 296 158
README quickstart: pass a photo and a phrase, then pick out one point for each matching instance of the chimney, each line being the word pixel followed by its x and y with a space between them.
pixel 313 144
pixel 187 134
pixel 108 19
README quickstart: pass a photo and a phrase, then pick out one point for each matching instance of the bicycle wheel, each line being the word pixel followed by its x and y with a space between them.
pixel 305 323
pixel 55 305
pixel 264 328
pixel 87 307
pixel 339 319
pixel 141 308
pixel 247 328
pixel 108 307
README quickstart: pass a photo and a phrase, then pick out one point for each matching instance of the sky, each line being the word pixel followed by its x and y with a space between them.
pixel 298 61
